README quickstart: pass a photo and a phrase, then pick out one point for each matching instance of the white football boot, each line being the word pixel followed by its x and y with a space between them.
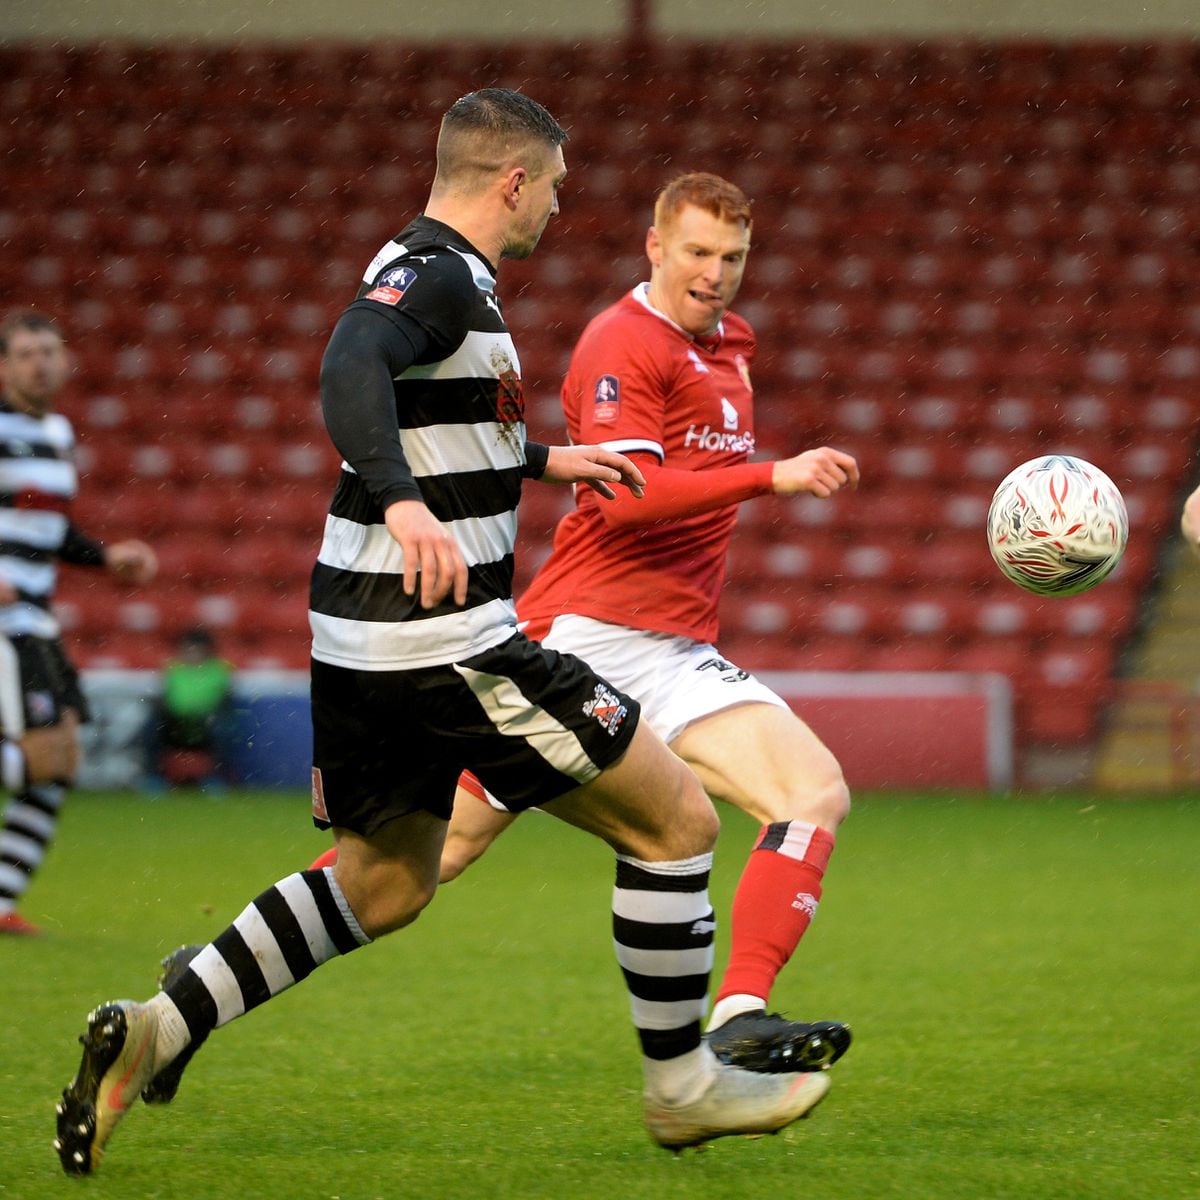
pixel 735 1101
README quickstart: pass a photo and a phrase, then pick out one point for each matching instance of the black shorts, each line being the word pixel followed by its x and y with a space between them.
pixel 531 723
pixel 48 680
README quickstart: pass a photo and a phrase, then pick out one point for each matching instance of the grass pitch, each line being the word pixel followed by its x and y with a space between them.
pixel 1023 977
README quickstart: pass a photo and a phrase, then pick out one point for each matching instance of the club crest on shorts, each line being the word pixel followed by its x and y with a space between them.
pixel 607 708
pixel 607 405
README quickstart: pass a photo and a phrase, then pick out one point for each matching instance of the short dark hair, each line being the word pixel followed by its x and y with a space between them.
pixel 482 132
pixel 506 114
pixel 33 322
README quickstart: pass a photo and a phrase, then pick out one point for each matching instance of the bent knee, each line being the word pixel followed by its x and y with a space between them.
pixel 382 911
pixel 834 804
pixel 457 855
pixel 824 802
pixel 452 866
pixel 389 916
pixel 695 823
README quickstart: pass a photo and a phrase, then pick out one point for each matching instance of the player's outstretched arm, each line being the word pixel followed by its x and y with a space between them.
pixel 1189 522
pixel 594 466
pixel 819 472
pixel 673 493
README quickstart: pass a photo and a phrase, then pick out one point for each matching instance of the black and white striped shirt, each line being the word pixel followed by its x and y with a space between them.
pixel 38 481
pixel 459 417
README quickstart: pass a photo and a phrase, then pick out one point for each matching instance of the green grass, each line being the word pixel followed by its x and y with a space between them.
pixel 1023 976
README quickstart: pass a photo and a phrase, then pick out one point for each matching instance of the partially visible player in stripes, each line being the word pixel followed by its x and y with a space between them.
pixel 418 669
pixel 41 705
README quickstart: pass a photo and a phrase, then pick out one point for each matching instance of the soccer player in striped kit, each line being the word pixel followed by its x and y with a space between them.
pixel 419 669
pixel 41 705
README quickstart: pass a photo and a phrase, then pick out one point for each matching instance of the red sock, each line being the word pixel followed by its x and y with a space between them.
pixel 326 860
pixel 776 899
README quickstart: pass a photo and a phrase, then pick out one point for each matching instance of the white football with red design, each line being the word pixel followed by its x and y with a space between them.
pixel 1057 525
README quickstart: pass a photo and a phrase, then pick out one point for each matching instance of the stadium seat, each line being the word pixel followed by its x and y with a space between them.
pixel 910 656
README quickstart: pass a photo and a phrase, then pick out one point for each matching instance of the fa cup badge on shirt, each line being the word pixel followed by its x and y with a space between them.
pixel 391 285
pixel 608 400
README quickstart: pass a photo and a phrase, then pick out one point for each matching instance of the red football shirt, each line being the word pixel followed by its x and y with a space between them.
pixel 639 384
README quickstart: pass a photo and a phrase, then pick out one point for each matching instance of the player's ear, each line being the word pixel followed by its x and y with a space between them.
pixel 514 184
pixel 653 247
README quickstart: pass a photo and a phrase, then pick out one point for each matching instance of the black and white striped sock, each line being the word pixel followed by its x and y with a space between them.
pixel 280 939
pixel 663 927
pixel 30 819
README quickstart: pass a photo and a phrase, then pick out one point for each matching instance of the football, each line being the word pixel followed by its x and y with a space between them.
pixel 1057 525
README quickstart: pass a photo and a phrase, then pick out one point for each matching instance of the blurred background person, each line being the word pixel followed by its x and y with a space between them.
pixel 41 704
pixel 189 730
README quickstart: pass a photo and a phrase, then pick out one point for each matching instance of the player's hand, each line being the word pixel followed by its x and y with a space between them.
pixel 1189 522
pixel 131 562
pixel 819 472
pixel 430 549
pixel 594 466
pixel 8 593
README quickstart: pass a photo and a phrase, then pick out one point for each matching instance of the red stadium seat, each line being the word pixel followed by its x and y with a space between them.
pixel 957 560
pixel 912 656
pixel 1012 616
pixel 1007 656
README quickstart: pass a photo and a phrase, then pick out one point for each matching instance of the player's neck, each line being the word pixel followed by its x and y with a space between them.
pixel 468 222
pixel 31 406
pixel 654 301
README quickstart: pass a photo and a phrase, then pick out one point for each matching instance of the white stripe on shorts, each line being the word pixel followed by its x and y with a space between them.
pixel 514 715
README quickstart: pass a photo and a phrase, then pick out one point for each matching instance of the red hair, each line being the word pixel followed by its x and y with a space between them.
pixel 710 193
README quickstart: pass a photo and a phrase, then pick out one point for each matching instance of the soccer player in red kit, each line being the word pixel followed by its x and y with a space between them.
pixel 663 376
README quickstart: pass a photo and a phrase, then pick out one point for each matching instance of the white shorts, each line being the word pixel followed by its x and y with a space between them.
pixel 676 680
